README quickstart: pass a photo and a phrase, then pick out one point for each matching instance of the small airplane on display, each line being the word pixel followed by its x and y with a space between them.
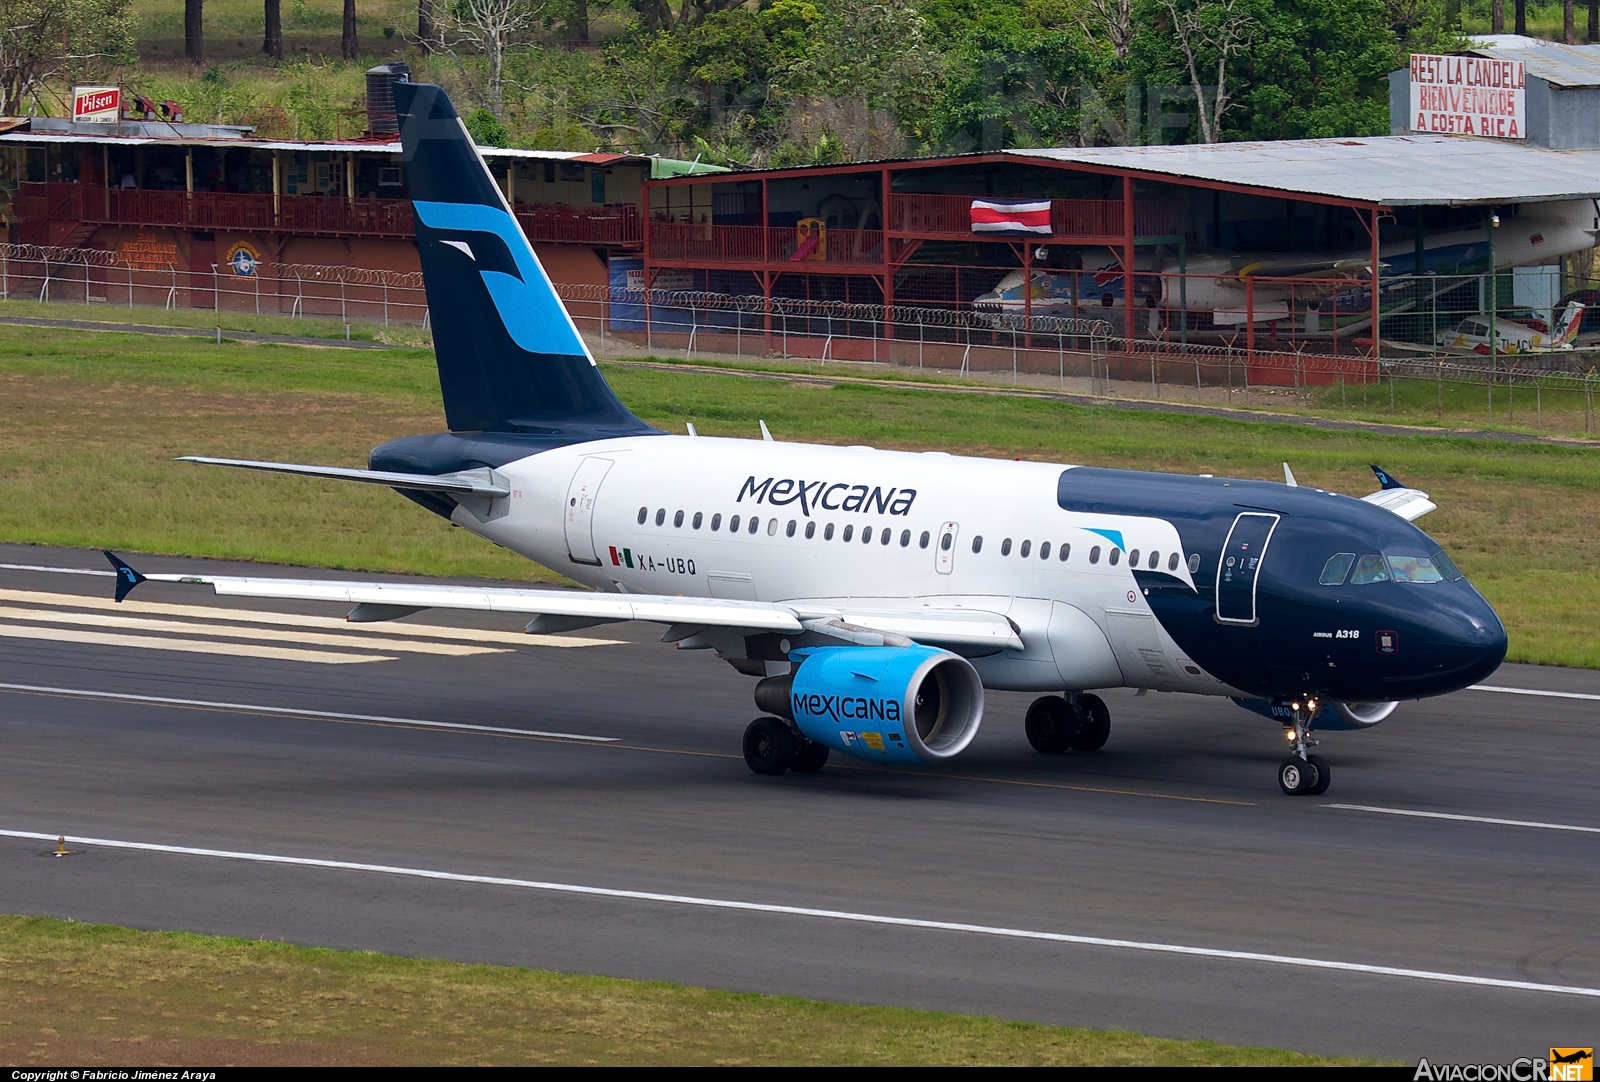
pixel 876 595
pixel 1217 281
pixel 1512 337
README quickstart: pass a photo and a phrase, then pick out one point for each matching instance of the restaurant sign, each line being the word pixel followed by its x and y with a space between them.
pixel 96 104
pixel 1468 95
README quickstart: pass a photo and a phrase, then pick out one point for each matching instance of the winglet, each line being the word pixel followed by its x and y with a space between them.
pixel 1288 477
pixel 127 577
pixel 1385 478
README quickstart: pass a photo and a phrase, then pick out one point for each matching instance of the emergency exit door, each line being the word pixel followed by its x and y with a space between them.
pixel 1240 566
pixel 581 495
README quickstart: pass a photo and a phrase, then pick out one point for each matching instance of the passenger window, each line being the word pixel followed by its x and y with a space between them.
pixel 716 522
pixel 925 538
pixel 677 521
pixel 811 530
pixel 1194 563
pixel 885 536
pixel 1027 546
pixel 1172 562
pixel 733 524
pixel 1044 550
pixel 1094 554
pixel 827 532
pixel 866 535
pixel 698 518
pixel 1116 556
pixel 1370 568
pixel 1066 550
pixel 1448 566
pixel 644 513
pixel 1155 560
pixel 789 529
pixel 945 542
pixel 772 527
pixel 977 543
pixel 1005 547
pixel 661 516
pixel 905 539
pixel 1337 567
pixel 755 524
pixel 1133 558
pixel 848 531
pixel 1413 569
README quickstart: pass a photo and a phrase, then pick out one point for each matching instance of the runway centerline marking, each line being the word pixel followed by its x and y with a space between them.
pixel 1464 818
pixel 231 631
pixel 1535 691
pixel 286 619
pixel 157 700
pixel 187 646
pixel 839 915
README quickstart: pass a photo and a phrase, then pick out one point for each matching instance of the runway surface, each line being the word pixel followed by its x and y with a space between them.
pixel 445 786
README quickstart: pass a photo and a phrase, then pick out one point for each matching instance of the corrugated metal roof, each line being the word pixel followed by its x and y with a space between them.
pixel 1391 170
pixel 1570 66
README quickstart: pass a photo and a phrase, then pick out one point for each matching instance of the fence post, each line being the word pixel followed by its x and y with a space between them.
pixel 130 287
pixel 1588 402
pixel 86 282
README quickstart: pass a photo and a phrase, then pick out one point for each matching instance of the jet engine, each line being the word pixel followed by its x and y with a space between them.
pixel 1333 717
pixel 886 704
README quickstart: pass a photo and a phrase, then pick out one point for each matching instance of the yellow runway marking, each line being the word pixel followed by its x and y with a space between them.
pixel 186 646
pixel 286 619
pixel 301 638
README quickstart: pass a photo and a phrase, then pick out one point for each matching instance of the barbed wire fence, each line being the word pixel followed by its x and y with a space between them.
pixel 1068 353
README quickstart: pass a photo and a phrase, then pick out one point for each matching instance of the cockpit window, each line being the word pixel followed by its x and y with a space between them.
pixel 1337 567
pixel 1370 568
pixel 1414 569
pixel 1447 566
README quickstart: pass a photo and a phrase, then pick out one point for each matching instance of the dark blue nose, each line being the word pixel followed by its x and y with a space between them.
pixel 1466 638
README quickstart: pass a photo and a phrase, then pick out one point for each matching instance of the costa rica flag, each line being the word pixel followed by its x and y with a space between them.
pixel 1015 216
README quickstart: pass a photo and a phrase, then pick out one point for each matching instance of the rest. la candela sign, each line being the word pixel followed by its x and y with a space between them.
pixel 1468 95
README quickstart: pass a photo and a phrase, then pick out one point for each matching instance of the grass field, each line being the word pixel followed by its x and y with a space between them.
pixel 93 421
pixel 88 995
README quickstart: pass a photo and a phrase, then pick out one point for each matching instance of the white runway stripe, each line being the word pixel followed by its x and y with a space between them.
pixel 1533 691
pixel 229 631
pixel 835 915
pixel 1464 818
pixel 157 700
pixel 186 646
pixel 288 619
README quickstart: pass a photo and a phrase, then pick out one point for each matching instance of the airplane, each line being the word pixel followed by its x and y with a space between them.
pixel 1216 280
pixel 1512 337
pixel 877 595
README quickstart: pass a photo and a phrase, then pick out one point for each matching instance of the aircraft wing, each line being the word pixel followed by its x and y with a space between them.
pixel 469 483
pixel 1409 503
pixel 953 627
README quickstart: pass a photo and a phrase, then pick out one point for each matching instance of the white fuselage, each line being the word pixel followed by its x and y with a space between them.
pixel 821 516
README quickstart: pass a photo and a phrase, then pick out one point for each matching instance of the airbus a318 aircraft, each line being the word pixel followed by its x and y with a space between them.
pixel 877 594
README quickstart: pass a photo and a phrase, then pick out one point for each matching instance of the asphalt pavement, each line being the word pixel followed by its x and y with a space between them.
pixel 444 786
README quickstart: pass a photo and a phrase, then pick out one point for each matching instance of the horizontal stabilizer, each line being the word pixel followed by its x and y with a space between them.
pixel 470 483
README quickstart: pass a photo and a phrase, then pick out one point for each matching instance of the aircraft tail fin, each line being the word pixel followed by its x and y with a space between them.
pixel 1570 323
pixel 510 357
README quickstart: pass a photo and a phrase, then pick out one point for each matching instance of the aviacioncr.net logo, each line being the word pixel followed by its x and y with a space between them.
pixel 1563 1065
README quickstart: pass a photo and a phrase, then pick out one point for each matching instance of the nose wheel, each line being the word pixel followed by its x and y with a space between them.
pixel 1301 773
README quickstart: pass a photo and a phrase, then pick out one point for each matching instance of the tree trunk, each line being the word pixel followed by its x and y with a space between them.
pixel 578 22
pixel 1497 16
pixel 272 36
pixel 497 102
pixel 1594 21
pixel 1569 25
pixel 193 36
pixel 347 40
pixel 425 26
pixel 1522 17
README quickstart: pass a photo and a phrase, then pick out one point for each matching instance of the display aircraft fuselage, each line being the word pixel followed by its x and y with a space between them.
pixel 876 594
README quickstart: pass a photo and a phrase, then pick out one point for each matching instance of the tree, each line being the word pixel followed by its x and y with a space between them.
pixel 272 35
pixel 1110 21
pixel 1497 16
pixel 193 34
pixel 54 42
pixel 1521 9
pixel 1569 28
pixel 425 29
pixel 487 27
pixel 1209 35
pixel 347 38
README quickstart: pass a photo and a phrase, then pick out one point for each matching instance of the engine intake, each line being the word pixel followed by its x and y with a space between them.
pixel 885 704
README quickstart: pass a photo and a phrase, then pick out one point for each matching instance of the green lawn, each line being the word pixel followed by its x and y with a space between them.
pixel 95 419
pixel 90 995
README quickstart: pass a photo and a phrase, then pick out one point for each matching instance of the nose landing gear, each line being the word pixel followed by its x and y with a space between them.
pixel 1300 774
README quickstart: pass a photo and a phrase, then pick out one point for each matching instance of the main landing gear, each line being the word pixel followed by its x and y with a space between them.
pixel 1300 774
pixel 771 746
pixel 1079 722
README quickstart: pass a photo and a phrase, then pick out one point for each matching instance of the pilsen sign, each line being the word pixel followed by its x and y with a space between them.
pixel 96 104
pixel 1468 95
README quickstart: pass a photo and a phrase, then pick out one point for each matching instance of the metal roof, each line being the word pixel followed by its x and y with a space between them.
pixel 1568 66
pixel 1387 170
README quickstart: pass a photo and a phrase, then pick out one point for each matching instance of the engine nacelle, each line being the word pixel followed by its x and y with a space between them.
pixel 886 704
pixel 1333 717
